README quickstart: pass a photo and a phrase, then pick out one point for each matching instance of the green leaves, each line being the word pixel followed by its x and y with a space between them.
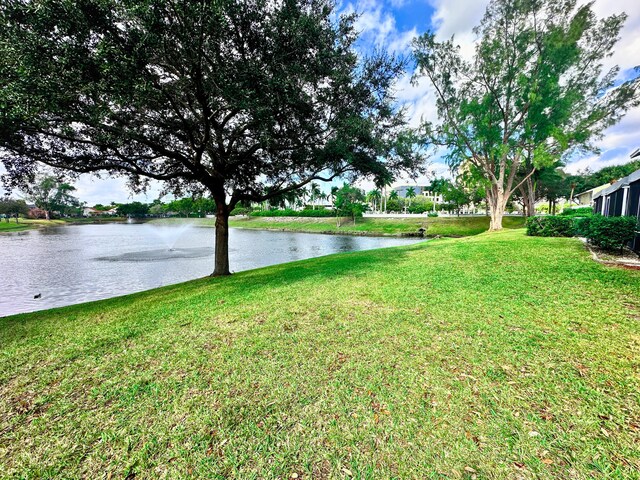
pixel 535 89
pixel 241 99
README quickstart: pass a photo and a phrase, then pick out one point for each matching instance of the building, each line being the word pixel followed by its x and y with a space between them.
pixel 420 190
pixel 586 198
pixel 90 212
pixel 621 198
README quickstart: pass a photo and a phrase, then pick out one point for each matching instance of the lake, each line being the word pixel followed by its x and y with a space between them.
pixel 79 263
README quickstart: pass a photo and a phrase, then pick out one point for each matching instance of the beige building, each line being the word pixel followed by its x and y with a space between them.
pixel 586 198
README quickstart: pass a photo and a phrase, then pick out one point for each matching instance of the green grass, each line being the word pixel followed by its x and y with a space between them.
pixel 93 220
pixel 444 226
pixel 27 223
pixel 493 356
pixel 12 226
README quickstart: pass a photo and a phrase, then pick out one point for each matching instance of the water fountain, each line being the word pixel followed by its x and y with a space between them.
pixel 169 235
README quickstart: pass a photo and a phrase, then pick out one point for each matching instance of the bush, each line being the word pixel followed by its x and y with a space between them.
pixel 577 212
pixel 420 208
pixel 611 233
pixel 432 214
pixel 240 211
pixel 550 226
pixel 581 226
pixel 287 212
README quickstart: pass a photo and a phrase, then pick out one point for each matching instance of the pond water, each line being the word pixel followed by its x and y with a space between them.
pixel 80 263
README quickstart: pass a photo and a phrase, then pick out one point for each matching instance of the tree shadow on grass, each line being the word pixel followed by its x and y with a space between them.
pixel 334 268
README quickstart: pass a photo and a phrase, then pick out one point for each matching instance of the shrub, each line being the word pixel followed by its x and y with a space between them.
pixel 432 214
pixel 550 226
pixel 577 212
pixel 420 208
pixel 287 212
pixel 611 233
pixel 240 211
pixel 581 226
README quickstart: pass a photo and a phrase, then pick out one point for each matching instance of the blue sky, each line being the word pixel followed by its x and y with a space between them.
pixel 391 24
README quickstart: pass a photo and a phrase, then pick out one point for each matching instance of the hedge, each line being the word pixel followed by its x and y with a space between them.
pixel 610 233
pixel 550 226
pixel 287 212
pixel 577 212
pixel 240 211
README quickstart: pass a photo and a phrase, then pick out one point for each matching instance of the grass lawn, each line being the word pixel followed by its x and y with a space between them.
pixel 12 226
pixel 445 226
pixel 27 223
pixel 492 356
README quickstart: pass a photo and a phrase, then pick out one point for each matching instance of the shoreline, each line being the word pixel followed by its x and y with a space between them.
pixel 35 224
pixel 393 227
pixel 349 233
pixel 375 342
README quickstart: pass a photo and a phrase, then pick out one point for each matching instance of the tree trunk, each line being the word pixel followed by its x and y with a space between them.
pixel 527 190
pixel 496 202
pixel 222 241
pixel 46 214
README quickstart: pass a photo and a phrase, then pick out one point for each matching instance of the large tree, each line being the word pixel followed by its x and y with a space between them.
pixel 242 100
pixel 13 208
pixel 52 195
pixel 349 202
pixel 534 89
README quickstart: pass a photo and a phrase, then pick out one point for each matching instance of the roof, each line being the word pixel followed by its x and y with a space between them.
pixel 636 153
pixel 594 190
pixel 623 182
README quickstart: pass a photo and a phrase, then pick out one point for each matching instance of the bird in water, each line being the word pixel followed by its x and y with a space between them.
pixel 37 296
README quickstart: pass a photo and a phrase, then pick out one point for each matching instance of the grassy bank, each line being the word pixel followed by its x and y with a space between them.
pixel 26 223
pixel 12 226
pixel 444 226
pixel 494 356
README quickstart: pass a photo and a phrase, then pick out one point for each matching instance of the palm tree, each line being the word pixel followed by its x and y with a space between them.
pixel 332 198
pixel 372 197
pixel 411 194
pixel 381 185
pixel 324 197
pixel 315 193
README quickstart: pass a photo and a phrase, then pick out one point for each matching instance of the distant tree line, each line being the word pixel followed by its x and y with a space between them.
pixel 11 208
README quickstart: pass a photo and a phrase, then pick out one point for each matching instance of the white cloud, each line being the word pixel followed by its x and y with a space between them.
pixel 419 100
pixel 627 48
pixel 620 140
pixel 106 190
pixel 377 26
pixel 458 17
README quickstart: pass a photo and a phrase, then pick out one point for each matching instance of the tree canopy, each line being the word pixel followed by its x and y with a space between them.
pixel 52 195
pixel 244 100
pixel 349 201
pixel 534 92
pixel 10 207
